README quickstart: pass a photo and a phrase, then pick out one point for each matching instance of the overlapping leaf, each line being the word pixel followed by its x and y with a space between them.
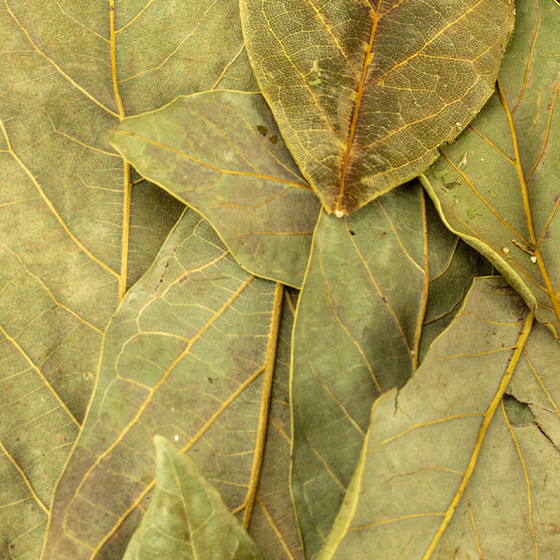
pixel 364 92
pixel 70 71
pixel 452 265
pixel 497 187
pixel 221 153
pixel 187 519
pixel 360 328
pixel 190 356
pixel 463 461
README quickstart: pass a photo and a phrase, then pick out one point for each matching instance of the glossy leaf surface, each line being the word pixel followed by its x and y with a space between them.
pixel 357 333
pixel 70 71
pixel 222 154
pixel 463 460
pixel 365 92
pixel 189 356
pixel 187 519
pixel 498 186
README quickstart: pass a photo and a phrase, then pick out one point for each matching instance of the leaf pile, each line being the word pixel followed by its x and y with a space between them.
pixel 280 280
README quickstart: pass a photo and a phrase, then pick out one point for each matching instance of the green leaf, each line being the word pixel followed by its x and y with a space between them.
pixel 153 213
pixel 221 153
pixel 452 266
pixel 463 461
pixel 187 519
pixel 364 93
pixel 357 334
pixel 504 168
pixel 189 356
pixel 70 71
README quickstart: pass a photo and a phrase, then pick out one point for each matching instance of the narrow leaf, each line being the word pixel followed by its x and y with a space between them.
pixel 357 333
pixel 222 154
pixel 497 187
pixel 365 92
pixel 187 519
pixel 463 460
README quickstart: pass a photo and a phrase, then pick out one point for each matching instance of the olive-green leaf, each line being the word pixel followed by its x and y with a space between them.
pixel 70 70
pixel 498 186
pixel 357 333
pixel 463 462
pixel 365 92
pixel 221 153
pixel 452 266
pixel 189 356
pixel 153 213
pixel 187 518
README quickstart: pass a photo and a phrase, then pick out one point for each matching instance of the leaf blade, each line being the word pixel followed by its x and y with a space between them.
pixel 348 156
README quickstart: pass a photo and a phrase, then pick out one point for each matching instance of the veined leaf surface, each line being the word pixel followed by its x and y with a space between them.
pixel 187 519
pixel 365 92
pixel 357 334
pixel 463 461
pixel 70 71
pixel 498 186
pixel 221 153
pixel 189 356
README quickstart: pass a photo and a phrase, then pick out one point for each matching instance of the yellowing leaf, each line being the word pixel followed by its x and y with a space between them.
pixel 187 519
pixel 396 80
pixel 189 356
pixel 221 153
pixel 70 71
pixel 463 460
pixel 506 196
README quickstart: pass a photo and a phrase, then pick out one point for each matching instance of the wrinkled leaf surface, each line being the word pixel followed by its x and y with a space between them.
pixel 365 92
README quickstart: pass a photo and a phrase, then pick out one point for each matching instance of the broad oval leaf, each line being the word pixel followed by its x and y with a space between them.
pixel 221 153
pixel 498 186
pixel 70 71
pixel 187 518
pixel 189 356
pixel 463 461
pixel 365 92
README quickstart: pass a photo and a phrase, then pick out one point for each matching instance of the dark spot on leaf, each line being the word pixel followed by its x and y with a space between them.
pixel 384 234
pixel 351 232
pixel 547 235
pixel 555 199
pixel 12 546
pixel 210 380
pixel 262 129
pixel 274 139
